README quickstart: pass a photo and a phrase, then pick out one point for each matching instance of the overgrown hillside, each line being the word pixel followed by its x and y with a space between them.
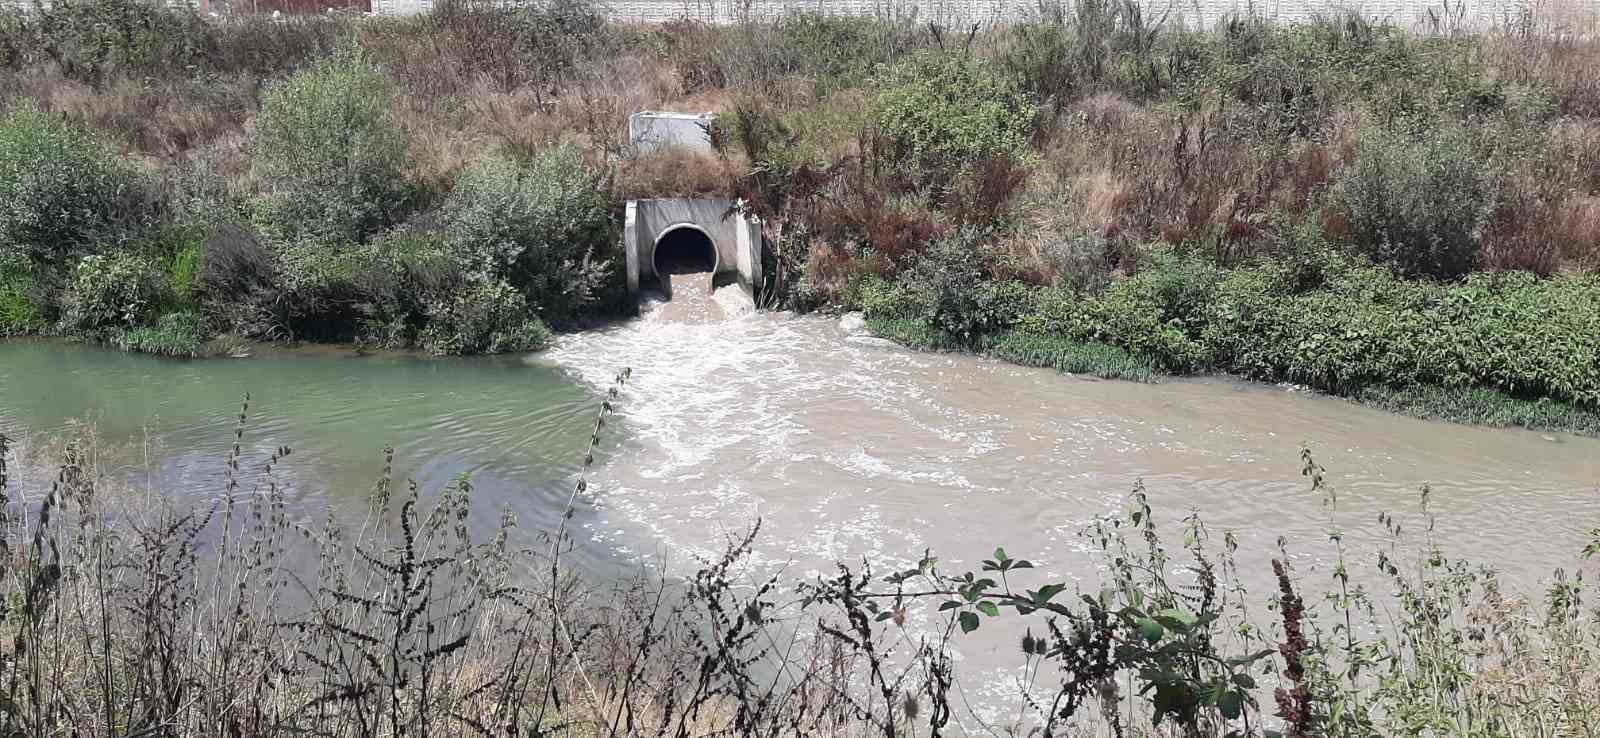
pixel 1410 215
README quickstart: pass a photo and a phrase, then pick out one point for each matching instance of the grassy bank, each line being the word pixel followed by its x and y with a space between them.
pixel 130 614
pixel 1495 349
pixel 453 181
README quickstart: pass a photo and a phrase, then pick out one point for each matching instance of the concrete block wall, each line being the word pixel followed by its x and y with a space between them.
pixel 1194 13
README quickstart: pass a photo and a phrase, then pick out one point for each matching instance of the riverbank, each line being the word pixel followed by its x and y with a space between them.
pixel 1507 349
pixel 453 183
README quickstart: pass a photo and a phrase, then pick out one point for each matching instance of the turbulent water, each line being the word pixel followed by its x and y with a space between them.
pixel 842 446
pixel 845 446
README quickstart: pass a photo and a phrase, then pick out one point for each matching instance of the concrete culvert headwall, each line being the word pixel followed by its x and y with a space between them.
pixel 688 235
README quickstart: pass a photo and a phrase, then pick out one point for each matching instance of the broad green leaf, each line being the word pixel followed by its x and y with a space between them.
pixel 1051 590
pixel 1150 629
pixel 1231 704
pixel 989 608
pixel 969 621
pixel 1182 616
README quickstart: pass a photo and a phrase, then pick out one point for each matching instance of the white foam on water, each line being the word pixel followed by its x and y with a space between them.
pixel 845 450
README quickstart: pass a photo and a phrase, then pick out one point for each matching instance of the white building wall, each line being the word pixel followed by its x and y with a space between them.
pixel 1581 13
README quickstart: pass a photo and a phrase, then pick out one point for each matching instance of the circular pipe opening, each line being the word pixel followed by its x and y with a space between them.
pixel 684 249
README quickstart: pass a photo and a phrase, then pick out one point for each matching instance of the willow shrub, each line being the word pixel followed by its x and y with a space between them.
pixel 1415 201
pixel 545 229
pixel 330 153
pixel 62 194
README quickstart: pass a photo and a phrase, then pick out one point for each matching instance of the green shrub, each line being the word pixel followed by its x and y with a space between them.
pixel 544 229
pixel 19 313
pixel 330 152
pixel 882 299
pixel 1514 333
pixel 948 290
pixel 89 39
pixel 121 289
pixel 1416 203
pixel 174 334
pixel 183 270
pixel 486 318
pixel 837 51
pixel 916 334
pixel 1158 314
pixel 943 109
pixel 61 194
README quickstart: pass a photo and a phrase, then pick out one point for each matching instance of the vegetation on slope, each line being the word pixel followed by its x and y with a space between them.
pixel 1365 208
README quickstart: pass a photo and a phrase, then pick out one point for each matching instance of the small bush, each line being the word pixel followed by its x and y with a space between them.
pixel 174 334
pixel 183 270
pixel 61 194
pixel 121 289
pixel 1415 203
pixel 233 263
pixel 91 39
pixel 544 229
pixel 19 313
pixel 948 290
pixel 942 109
pixel 330 152
pixel 486 318
pixel 1157 314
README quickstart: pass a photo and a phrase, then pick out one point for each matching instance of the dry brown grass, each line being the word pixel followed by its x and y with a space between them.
pixel 675 173
pixel 157 118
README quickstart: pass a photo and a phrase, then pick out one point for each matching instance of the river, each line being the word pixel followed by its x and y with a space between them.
pixel 844 447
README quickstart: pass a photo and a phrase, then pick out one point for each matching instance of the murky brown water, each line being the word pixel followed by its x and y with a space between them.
pixel 846 447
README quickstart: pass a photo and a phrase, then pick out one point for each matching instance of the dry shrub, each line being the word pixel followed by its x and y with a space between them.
pixel 984 193
pixel 1105 197
pixel 1106 112
pixel 602 93
pixel 892 229
pixel 829 270
pixel 1574 144
pixel 1555 44
pixel 1142 174
pixel 263 47
pixel 1545 219
pixel 1312 163
pixel 1577 230
pixel 161 118
pixel 1521 233
pixel 674 172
